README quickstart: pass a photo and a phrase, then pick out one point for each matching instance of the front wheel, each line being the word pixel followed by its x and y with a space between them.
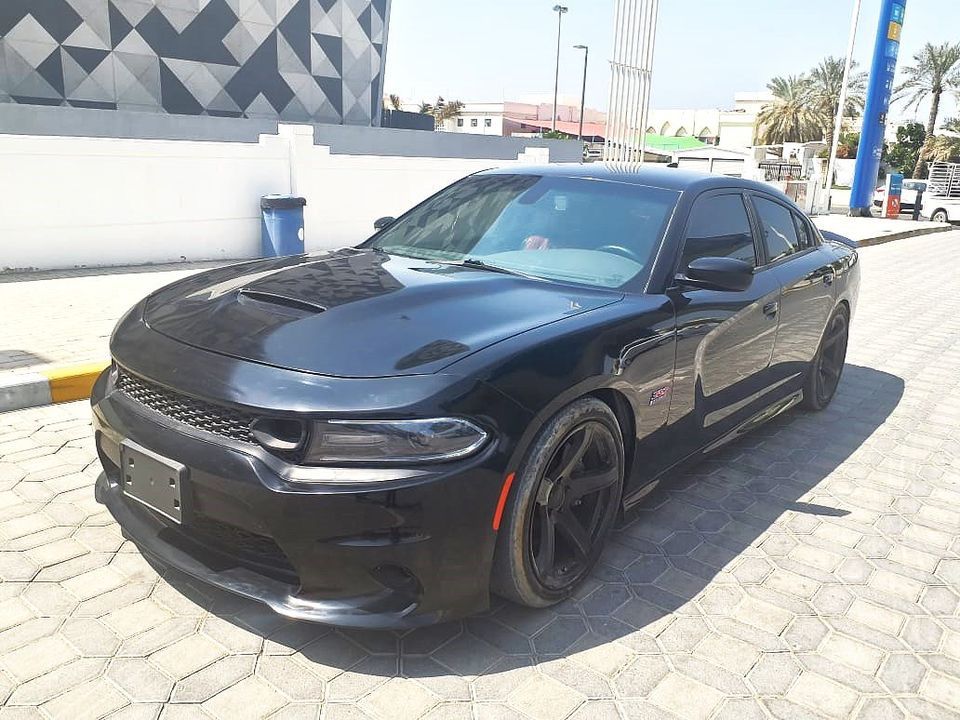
pixel 939 216
pixel 565 498
pixel 827 366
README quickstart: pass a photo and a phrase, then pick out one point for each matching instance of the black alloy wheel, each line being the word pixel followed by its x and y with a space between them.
pixel 566 498
pixel 571 504
pixel 827 366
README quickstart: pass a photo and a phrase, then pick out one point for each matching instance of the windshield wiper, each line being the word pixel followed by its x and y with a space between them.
pixel 481 265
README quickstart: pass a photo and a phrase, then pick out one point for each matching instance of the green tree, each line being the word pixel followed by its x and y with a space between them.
pixel 826 81
pixel 951 124
pixel 905 152
pixel 847 148
pixel 791 117
pixel 936 70
pixel 395 102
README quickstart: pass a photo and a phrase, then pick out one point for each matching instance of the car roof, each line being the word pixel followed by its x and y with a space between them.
pixel 649 174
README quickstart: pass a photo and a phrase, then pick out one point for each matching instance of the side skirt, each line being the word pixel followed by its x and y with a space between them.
pixel 755 421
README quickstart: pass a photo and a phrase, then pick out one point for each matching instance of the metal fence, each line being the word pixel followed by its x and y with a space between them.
pixel 944 180
pixel 780 171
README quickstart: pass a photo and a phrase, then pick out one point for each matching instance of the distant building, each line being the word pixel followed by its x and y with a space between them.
pixel 521 118
pixel 732 128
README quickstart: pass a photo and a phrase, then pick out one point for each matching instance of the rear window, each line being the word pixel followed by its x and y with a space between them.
pixel 779 231
pixel 719 227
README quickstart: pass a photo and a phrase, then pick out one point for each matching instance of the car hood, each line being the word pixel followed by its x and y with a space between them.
pixel 358 313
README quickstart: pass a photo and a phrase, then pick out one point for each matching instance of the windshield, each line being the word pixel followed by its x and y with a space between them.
pixel 593 232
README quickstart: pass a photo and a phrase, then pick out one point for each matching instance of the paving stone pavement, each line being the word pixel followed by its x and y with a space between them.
pixel 66 316
pixel 812 570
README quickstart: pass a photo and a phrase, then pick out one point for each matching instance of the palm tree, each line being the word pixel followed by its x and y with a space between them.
pixel 395 102
pixel 826 81
pixel 936 70
pixel 940 147
pixel 951 124
pixel 442 110
pixel 791 117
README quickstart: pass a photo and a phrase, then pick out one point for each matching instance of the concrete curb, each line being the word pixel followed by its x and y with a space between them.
pixel 54 385
pixel 879 240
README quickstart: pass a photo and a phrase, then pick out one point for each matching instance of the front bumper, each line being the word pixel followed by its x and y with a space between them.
pixel 413 548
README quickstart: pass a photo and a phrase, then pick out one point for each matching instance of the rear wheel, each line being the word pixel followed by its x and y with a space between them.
pixel 565 498
pixel 827 366
pixel 939 216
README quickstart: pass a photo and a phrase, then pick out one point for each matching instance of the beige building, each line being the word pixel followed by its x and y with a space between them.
pixel 731 128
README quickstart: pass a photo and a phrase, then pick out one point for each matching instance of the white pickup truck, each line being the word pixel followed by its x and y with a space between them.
pixel 941 202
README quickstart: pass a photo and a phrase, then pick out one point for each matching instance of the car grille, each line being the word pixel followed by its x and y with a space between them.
pixel 202 415
pixel 240 543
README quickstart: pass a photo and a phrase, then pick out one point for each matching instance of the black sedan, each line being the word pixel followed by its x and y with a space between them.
pixel 381 436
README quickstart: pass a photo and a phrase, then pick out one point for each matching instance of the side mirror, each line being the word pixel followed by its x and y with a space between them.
pixel 718 273
pixel 381 223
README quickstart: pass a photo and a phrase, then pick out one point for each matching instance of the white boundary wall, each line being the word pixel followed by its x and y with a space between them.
pixel 73 201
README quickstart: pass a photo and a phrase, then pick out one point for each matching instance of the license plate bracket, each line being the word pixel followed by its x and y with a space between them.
pixel 153 481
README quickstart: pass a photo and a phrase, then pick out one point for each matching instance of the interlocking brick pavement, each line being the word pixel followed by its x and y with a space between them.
pixel 66 316
pixel 812 570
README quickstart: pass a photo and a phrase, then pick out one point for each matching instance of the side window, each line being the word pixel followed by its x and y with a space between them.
pixel 719 227
pixel 804 234
pixel 779 231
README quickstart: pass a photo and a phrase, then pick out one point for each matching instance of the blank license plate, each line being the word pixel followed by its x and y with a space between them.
pixel 152 480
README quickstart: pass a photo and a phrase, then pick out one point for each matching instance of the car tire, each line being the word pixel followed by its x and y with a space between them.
pixel 825 370
pixel 939 216
pixel 549 495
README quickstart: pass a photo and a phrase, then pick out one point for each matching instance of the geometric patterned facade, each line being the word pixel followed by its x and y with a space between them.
pixel 313 61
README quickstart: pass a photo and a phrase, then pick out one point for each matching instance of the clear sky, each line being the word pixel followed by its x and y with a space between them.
pixel 491 50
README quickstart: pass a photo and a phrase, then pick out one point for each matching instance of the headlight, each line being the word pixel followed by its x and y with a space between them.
pixel 398 441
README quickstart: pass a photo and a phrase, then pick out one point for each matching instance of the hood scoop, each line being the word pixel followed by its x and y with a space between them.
pixel 285 304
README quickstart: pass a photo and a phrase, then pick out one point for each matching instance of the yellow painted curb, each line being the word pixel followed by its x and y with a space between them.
pixel 73 382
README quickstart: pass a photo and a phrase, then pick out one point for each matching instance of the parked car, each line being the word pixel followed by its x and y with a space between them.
pixel 381 436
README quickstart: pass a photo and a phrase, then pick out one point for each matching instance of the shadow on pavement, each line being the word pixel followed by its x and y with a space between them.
pixel 11 358
pixel 660 557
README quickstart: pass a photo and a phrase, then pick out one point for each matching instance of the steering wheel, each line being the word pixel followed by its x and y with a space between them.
pixel 620 250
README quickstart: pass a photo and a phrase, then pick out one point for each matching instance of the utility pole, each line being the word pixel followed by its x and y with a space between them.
pixel 559 10
pixel 583 92
pixel 854 21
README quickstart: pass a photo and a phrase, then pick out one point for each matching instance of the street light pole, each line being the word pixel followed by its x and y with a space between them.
pixel 583 92
pixel 831 164
pixel 559 10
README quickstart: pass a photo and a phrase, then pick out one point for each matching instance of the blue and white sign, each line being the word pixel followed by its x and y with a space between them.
pixel 882 71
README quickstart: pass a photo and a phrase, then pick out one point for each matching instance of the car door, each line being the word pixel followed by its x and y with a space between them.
pixel 792 253
pixel 725 339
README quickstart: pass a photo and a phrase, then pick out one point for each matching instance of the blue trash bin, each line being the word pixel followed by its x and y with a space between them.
pixel 281 225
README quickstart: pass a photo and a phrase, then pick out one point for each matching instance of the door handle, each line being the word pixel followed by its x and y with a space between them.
pixel 771 309
pixel 828 279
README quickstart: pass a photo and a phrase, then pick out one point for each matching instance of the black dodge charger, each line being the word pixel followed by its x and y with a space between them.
pixel 383 435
